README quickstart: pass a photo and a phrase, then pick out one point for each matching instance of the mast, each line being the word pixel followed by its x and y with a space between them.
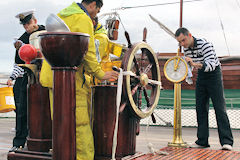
pixel 180 23
pixel 181 10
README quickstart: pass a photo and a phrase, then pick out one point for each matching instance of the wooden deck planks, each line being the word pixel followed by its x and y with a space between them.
pixel 191 154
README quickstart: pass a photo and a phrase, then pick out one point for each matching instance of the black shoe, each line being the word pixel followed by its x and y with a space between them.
pixel 13 149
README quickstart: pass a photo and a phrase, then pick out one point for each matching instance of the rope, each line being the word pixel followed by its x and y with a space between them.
pixel 119 94
pixel 166 123
pixel 152 5
pixel 122 8
pixel 222 28
pixel 238 3
pixel 121 22
pixel 120 18
pixel 165 28
pixel 111 16
pixel 150 145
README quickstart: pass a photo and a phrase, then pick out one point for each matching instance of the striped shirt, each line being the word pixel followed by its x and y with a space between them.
pixel 204 53
pixel 17 72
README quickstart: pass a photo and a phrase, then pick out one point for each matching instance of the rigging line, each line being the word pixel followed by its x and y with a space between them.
pixel 122 8
pixel 118 8
pixel 238 3
pixel 222 28
pixel 121 22
pixel 114 13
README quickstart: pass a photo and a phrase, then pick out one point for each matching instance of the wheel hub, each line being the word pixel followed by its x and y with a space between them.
pixel 143 79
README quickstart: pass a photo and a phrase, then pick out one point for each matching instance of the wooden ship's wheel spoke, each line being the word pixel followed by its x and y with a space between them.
pixel 146 97
pixel 142 60
pixel 139 99
pixel 136 66
pixel 148 68
pixel 134 90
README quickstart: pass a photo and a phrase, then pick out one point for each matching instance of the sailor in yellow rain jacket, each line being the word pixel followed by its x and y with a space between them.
pixel 77 17
pixel 100 34
pixel 103 49
pixel 105 45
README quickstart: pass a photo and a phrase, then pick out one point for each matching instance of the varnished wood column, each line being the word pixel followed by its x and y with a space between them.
pixel 104 103
pixel 39 119
pixel 64 106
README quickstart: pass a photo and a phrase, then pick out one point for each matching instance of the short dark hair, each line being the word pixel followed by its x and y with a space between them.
pixel 182 30
pixel 99 3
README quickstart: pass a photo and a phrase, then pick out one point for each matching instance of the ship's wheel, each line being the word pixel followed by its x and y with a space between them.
pixel 144 81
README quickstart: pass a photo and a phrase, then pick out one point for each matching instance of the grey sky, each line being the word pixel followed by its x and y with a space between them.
pixel 201 18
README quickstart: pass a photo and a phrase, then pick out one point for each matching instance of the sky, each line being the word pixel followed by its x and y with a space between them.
pixel 202 18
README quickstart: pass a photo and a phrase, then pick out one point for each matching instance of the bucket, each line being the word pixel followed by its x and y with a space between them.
pixel 6 100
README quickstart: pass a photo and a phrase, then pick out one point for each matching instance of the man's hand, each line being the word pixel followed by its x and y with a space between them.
pixel 196 65
pixel 110 75
pixel 18 44
pixel 9 82
pixel 189 60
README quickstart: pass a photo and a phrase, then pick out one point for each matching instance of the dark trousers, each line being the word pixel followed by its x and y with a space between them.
pixel 20 97
pixel 210 85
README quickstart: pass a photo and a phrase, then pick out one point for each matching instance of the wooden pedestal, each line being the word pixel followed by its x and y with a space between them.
pixel 39 119
pixel 64 107
pixel 39 140
pixel 29 155
pixel 104 102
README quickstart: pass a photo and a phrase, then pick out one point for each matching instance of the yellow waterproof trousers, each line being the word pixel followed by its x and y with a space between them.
pixel 84 137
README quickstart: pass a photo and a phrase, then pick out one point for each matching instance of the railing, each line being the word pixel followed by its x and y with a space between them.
pixel 164 114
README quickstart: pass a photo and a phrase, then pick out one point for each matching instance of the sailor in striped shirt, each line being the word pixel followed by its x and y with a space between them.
pixel 201 55
pixel 17 72
pixel 29 23
pixel 204 53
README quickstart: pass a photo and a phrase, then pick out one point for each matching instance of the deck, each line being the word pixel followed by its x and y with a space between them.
pixel 157 135
pixel 189 154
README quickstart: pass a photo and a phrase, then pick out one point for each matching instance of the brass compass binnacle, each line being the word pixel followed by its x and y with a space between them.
pixel 175 69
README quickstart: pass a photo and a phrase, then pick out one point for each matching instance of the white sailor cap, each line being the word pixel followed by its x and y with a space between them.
pixel 25 17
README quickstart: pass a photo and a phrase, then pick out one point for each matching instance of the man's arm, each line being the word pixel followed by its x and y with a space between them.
pixel 84 24
pixel 17 72
pixel 210 58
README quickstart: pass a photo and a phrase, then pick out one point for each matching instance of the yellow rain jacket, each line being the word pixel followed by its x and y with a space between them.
pixel 46 80
pixel 106 46
pixel 101 35
pixel 78 21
